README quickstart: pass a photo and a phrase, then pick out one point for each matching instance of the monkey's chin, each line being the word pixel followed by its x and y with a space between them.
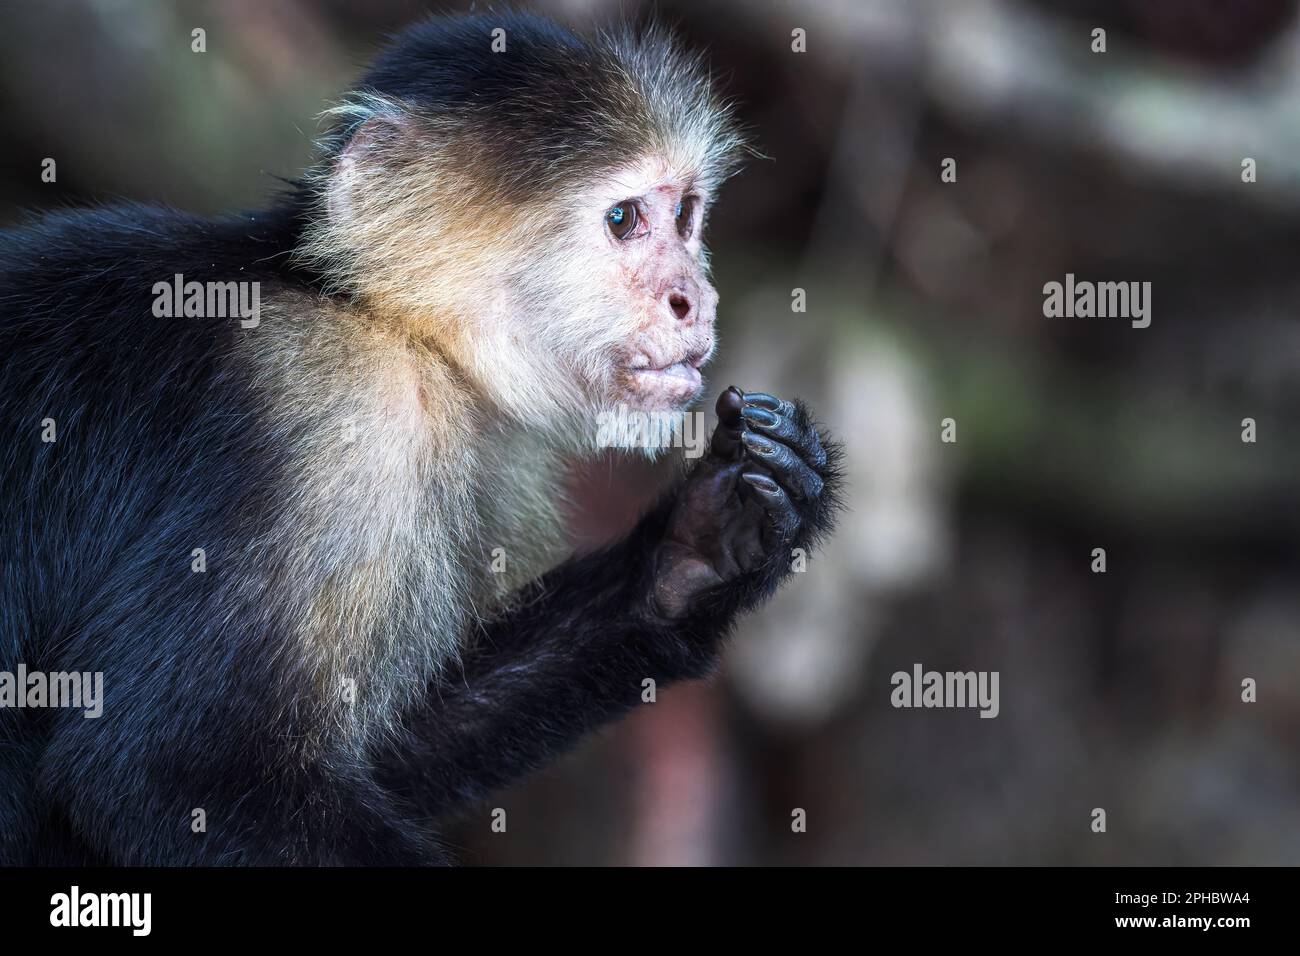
pixel 664 389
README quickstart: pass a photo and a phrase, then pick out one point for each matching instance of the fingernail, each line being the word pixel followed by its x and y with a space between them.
pixel 760 445
pixel 759 416
pixel 761 482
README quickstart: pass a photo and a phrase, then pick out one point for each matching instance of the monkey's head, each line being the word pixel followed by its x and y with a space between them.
pixel 532 204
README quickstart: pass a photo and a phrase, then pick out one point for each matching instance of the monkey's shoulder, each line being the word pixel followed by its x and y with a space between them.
pixel 92 275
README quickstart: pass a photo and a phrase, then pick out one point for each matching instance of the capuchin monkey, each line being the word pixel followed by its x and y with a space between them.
pixel 311 546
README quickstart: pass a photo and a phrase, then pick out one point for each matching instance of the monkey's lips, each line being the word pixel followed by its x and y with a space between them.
pixel 668 385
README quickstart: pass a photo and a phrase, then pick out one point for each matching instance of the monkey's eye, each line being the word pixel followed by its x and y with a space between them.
pixel 686 217
pixel 622 219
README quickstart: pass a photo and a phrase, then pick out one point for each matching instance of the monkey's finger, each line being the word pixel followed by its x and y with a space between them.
pixel 787 467
pixel 729 406
pixel 780 509
pixel 771 403
pixel 792 431
pixel 726 437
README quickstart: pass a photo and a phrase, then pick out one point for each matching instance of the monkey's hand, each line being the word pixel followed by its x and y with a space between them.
pixel 758 500
pixel 576 646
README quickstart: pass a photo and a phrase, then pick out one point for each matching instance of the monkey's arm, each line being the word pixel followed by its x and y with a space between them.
pixel 581 642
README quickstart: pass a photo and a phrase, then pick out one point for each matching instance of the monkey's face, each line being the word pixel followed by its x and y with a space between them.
pixel 655 306
pixel 552 306
pixel 535 218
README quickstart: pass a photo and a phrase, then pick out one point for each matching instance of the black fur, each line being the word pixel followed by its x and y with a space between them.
pixel 162 444
pixel 554 107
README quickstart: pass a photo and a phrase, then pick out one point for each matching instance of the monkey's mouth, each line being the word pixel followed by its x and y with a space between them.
pixel 685 372
pixel 672 385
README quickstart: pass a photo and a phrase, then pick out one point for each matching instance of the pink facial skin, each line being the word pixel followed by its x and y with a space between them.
pixel 660 263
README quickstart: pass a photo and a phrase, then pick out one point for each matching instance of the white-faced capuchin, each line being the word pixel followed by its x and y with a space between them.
pixel 310 540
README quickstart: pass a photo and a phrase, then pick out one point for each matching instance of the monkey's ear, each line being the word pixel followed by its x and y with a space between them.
pixel 380 133
pixel 377 145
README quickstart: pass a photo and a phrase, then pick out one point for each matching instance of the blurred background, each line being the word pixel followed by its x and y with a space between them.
pixel 1119 690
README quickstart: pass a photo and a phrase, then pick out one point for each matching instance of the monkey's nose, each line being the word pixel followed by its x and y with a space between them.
pixel 682 306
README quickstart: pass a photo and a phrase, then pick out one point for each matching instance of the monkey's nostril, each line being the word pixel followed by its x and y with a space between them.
pixel 680 305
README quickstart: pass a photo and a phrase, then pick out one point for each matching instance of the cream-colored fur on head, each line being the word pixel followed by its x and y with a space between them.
pixel 518 288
